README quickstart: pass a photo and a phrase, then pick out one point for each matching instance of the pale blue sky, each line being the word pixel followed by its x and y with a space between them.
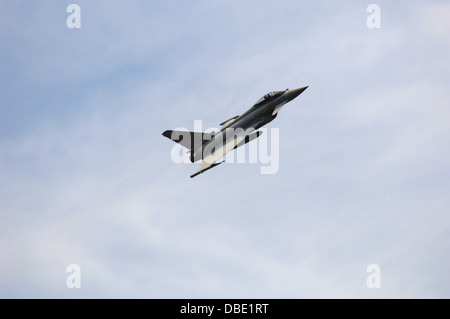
pixel 86 177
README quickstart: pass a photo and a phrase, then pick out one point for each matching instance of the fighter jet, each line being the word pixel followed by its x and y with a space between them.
pixel 234 132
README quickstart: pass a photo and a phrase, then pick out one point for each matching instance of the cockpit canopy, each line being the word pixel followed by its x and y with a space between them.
pixel 269 96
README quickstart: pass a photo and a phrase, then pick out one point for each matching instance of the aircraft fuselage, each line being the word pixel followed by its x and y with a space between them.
pixel 262 112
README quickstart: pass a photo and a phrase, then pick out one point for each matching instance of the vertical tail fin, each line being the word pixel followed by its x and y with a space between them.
pixel 187 139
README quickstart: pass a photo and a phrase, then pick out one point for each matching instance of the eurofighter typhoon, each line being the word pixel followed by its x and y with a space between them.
pixel 234 132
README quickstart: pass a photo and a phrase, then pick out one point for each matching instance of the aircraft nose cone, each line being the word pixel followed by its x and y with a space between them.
pixel 293 93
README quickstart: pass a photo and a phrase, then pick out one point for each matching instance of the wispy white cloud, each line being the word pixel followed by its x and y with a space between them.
pixel 362 180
